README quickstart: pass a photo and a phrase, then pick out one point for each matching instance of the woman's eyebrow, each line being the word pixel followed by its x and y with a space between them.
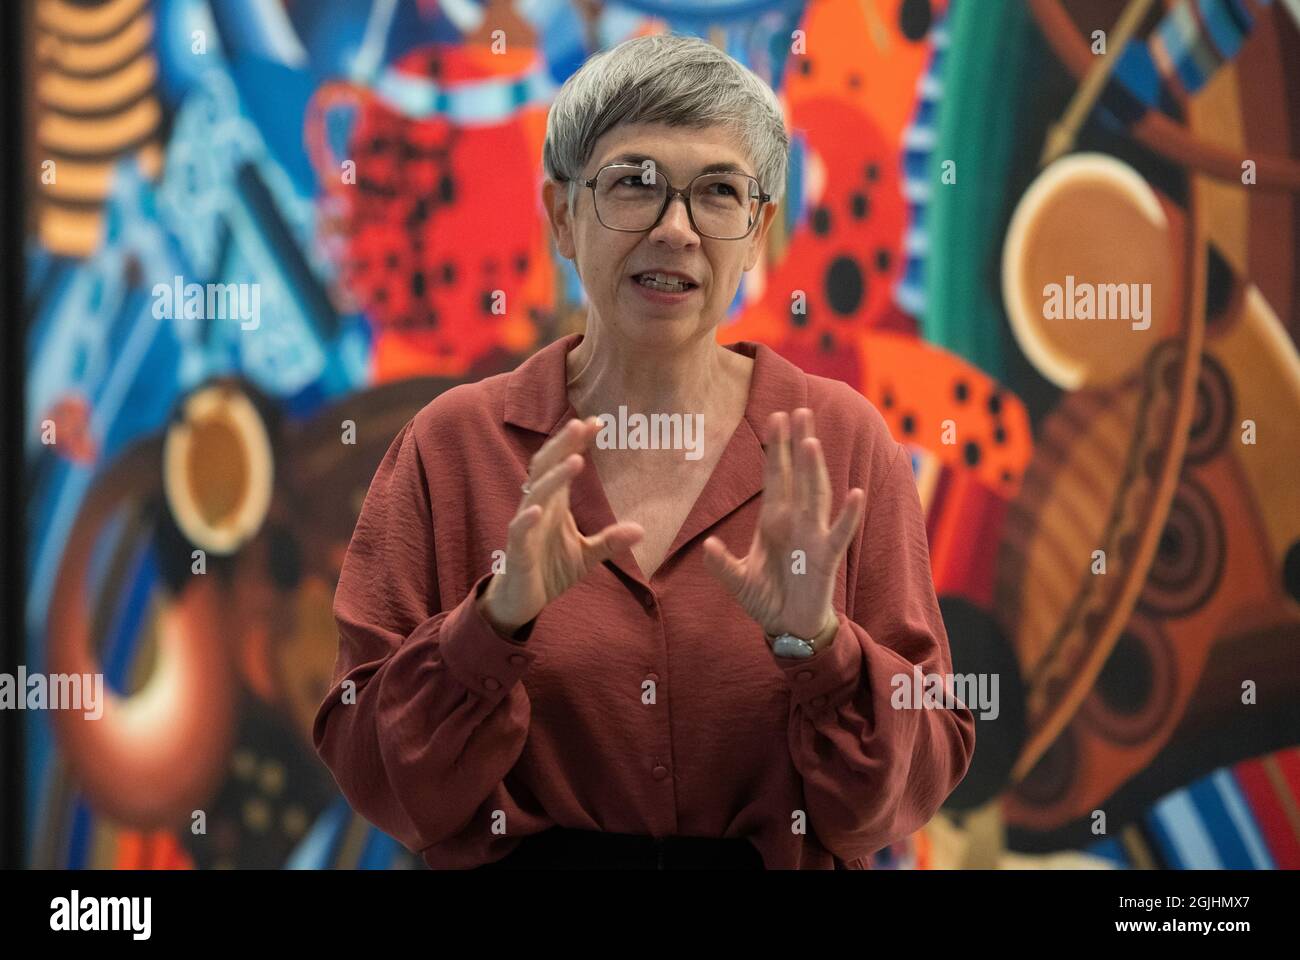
pixel 639 158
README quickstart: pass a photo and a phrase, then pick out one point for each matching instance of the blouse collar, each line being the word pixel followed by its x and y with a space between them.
pixel 537 399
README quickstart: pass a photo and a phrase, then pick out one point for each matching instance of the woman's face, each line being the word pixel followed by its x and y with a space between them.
pixel 607 260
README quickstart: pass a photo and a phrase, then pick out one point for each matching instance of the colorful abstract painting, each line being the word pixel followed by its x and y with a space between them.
pixel 264 233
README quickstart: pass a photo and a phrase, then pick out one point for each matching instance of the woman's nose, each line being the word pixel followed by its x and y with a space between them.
pixel 675 223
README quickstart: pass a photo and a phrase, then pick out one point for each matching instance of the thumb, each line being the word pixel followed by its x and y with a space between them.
pixel 718 560
pixel 612 541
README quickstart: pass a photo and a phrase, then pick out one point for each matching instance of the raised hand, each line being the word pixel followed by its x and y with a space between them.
pixel 546 554
pixel 783 592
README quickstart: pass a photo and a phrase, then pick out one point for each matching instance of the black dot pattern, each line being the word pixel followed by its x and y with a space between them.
pixel 846 286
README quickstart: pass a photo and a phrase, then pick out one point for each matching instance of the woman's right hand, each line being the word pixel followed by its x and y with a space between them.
pixel 546 553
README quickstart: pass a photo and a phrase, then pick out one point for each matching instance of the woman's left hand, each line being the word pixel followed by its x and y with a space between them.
pixel 784 590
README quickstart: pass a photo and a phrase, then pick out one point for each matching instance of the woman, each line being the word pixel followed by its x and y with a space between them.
pixel 600 611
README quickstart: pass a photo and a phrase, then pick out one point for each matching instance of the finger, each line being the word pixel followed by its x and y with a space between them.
pixel 776 472
pixel 612 541
pixel 801 475
pixel 848 522
pixel 821 484
pixel 806 453
pixel 718 560
pixel 520 526
pixel 553 482
pixel 812 482
pixel 572 438
pixel 801 425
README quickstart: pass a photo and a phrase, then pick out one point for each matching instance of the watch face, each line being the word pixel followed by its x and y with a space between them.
pixel 788 646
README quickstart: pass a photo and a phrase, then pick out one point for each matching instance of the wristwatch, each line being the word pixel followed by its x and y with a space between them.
pixel 792 647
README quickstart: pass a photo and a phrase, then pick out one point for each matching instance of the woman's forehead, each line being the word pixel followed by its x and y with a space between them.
pixel 638 159
pixel 674 150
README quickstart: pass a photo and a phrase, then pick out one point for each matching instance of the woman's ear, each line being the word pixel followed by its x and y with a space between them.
pixel 555 198
pixel 755 239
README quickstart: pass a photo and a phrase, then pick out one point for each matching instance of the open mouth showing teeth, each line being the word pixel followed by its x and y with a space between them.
pixel 657 281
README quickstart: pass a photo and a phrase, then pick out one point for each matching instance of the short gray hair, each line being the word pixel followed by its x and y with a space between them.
pixel 665 78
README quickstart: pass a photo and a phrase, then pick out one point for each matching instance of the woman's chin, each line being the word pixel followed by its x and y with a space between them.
pixel 656 329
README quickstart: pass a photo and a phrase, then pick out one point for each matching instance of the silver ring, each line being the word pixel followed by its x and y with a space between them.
pixel 525 488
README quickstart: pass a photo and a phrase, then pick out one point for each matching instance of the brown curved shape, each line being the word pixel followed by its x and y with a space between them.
pixel 1111 617
pixel 152 758
pixel 1156 131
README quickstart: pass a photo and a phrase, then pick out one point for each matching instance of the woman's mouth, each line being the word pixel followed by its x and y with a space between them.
pixel 663 284
pixel 662 287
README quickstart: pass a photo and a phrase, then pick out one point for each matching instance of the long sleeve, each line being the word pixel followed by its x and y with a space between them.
pixel 873 773
pixel 425 716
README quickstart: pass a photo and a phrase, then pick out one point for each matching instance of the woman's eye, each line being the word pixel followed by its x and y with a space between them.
pixel 723 193
pixel 632 180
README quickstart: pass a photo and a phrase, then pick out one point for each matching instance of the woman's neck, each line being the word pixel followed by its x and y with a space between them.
pixel 700 376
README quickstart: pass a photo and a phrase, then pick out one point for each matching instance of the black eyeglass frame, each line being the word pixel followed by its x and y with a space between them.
pixel 763 198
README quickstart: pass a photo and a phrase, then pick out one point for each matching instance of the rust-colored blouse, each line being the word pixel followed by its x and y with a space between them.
pixel 633 706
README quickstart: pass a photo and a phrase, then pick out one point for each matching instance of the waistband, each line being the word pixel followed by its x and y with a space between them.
pixel 564 848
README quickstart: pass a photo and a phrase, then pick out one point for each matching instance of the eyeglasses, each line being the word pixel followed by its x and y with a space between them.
pixel 633 198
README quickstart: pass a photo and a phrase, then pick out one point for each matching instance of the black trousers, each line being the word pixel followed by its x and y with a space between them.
pixel 562 848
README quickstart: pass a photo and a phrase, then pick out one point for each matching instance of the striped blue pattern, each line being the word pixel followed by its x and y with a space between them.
pixel 918 152
pixel 1197 46
pixel 1208 826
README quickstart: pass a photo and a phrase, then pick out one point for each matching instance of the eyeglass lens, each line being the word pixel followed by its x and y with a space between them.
pixel 630 198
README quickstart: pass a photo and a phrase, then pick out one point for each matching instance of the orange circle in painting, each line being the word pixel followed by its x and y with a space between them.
pixel 218 469
pixel 1089 272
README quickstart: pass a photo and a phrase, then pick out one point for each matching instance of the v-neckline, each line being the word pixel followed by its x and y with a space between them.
pixel 735 478
pixel 648 575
